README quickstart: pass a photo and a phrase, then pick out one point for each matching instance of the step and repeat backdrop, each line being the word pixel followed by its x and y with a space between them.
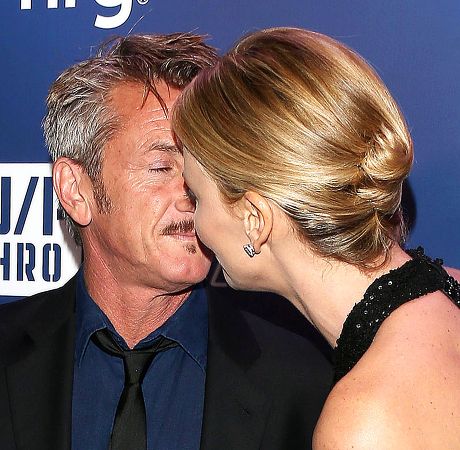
pixel 413 44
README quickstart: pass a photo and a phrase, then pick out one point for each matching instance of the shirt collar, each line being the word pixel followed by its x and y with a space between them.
pixel 188 326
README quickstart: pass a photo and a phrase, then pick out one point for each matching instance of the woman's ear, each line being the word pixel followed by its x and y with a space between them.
pixel 69 184
pixel 258 219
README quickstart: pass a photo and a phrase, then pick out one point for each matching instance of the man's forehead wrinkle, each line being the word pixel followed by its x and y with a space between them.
pixel 159 109
pixel 158 119
pixel 160 145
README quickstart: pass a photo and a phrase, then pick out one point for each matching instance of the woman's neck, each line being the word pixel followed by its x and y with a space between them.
pixel 325 290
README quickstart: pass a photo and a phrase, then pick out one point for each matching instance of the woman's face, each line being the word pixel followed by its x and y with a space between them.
pixel 218 225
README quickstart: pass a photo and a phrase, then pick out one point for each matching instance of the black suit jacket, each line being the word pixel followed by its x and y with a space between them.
pixel 264 384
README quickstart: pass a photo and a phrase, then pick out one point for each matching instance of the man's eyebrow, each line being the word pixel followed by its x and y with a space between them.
pixel 162 146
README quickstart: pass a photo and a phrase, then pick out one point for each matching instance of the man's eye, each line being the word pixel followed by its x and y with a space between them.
pixel 160 169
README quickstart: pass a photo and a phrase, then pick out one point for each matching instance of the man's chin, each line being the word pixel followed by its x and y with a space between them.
pixel 187 261
pixel 186 281
pixel 197 265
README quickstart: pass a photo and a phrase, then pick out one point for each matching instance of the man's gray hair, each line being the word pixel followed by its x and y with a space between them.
pixel 80 119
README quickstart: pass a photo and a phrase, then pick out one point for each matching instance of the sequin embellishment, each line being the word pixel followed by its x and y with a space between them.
pixel 415 278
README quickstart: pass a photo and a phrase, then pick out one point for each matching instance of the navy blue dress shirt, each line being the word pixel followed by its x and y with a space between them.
pixel 173 386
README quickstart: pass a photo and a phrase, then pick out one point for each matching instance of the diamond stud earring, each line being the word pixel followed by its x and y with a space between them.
pixel 249 249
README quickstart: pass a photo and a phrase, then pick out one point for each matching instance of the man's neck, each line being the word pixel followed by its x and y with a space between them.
pixel 135 311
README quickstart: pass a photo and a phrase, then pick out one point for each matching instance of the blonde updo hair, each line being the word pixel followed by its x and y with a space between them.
pixel 303 120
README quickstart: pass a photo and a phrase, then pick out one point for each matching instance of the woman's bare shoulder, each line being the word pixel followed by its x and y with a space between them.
pixel 388 413
pixel 403 393
pixel 357 418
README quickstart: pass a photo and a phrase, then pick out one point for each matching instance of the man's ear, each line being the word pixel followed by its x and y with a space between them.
pixel 71 187
pixel 258 218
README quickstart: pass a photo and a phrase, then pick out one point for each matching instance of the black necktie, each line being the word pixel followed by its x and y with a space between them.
pixel 129 428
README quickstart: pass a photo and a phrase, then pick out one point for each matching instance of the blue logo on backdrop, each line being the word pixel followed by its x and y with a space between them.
pixel 101 21
pixel 33 243
pixel 27 251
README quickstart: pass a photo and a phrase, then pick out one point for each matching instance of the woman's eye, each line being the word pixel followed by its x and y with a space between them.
pixel 191 195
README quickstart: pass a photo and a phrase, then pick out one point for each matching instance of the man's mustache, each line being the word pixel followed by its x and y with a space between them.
pixel 183 226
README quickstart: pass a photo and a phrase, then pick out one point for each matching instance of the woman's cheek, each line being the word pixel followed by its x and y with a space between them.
pixel 198 228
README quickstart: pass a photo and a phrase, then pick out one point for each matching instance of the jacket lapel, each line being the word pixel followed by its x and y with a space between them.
pixel 235 409
pixel 39 376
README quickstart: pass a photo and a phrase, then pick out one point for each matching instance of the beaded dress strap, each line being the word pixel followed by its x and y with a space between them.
pixel 415 278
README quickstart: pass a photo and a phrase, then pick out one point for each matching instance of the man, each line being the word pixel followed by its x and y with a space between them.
pixel 225 379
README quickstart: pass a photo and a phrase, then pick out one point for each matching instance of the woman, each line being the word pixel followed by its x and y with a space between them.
pixel 296 154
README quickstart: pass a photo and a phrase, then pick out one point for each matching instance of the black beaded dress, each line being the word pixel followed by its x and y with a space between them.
pixel 415 278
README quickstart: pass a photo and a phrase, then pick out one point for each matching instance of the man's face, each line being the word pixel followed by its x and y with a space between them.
pixel 147 238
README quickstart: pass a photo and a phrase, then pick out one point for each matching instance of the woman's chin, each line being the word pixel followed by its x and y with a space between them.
pixel 229 280
pixel 234 284
pixel 240 285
